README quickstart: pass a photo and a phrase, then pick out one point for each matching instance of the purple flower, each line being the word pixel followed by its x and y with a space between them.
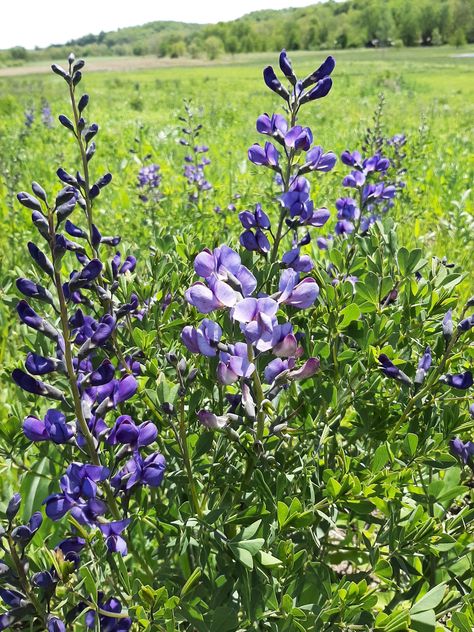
pixel 324 70
pixel 264 156
pixel 108 624
pixel 460 381
pixel 351 159
pixel 55 625
pixel 299 138
pixel 390 370
pixel 204 339
pixel 257 219
pixel 300 295
pixel 447 325
pixel 234 363
pixel 463 451
pixel 112 533
pixel 52 428
pixel 126 431
pixel 206 299
pixel 211 421
pixel 347 209
pixel 80 481
pixel 255 242
pixel 258 318
pixel 286 68
pixel 138 471
pixel 423 366
pixel 274 126
pixel 299 263
pixel 317 160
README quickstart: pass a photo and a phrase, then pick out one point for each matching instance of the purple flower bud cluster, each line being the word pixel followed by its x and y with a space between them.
pixel 149 180
pixel 46 115
pixel 229 285
pixel 196 161
pixel 291 155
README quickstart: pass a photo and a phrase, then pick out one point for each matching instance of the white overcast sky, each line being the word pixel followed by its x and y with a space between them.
pixel 33 23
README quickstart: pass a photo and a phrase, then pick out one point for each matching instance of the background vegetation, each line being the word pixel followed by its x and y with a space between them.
pixel 349 24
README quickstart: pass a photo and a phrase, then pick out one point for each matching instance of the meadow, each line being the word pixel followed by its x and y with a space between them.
pixel 371 527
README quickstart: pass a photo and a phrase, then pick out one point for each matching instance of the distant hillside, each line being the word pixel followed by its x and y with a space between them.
pixel 349 24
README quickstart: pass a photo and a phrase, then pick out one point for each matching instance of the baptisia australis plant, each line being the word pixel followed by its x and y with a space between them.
pixel 81 300
pixel 196 160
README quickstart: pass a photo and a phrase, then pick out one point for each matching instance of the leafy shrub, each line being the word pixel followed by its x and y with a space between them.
pixel 308 463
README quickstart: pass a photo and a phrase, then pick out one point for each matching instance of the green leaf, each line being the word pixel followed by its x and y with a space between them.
pixel 383 569
pixel 430 600
pixel 34 488
pixel 380 459
pixel 282 513
pixel 349 314
pixel 266 559
pixel 252 546
pixel 242 555
pixel 191 582
pixel 423 621
pixel 410 444
pixel 461 621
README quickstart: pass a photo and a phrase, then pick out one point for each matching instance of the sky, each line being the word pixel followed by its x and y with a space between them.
pixel 31 23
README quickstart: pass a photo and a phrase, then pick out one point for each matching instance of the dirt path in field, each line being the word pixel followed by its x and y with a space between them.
pixel 114 64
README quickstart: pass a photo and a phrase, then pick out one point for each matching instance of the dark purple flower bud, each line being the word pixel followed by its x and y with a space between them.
pixel 273 83
pixel 94 191
pixel 39 191
pixel 41 223
pixel 73 544
pixel 320 90
pixel 60 71
pixel 12 598
pixel 29 384
pixel 128 265
pixel 40 259
pixel 466 324
pixel 104 180
pixel 324 70
pixel 390 370
pixel 33 290
pixel 43 580
pixel 29 201
pixel 460 381
pixel 67 123
pixel 76 78
pixel 57 506
pixel 91 132
pixel 74 230
pixel 32 319
pixel 65 177
pixel 38 365
pixel 83 101
pixel 13 507
pixel 286 68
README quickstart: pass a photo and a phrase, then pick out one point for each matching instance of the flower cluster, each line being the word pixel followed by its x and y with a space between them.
pixel 268 343
pixel 149 180
pixel 297 158
pixel 195 161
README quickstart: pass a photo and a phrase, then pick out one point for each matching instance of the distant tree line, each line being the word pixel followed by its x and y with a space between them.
pixel 349 24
